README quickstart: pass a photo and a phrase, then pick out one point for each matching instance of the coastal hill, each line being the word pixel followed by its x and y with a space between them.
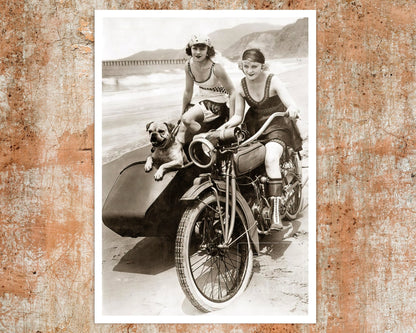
pixel 224 38
pixel 289 41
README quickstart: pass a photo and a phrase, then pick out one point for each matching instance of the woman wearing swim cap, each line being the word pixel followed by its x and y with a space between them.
pixel 266 94
pixel 215 86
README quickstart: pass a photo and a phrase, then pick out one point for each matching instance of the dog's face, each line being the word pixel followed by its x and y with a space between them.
pixel 159 133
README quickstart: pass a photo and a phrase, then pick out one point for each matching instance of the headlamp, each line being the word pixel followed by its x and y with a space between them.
pixel 202 152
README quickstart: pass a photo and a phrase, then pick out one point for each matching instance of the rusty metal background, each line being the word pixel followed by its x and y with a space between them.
pixel 366 169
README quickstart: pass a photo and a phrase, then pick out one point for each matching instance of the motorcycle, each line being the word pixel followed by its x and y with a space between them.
pixel 227 210
pixel 218 215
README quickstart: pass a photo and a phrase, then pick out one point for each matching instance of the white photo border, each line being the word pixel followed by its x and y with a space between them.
pixel 100 15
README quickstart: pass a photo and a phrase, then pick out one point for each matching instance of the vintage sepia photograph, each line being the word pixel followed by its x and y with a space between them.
pixel 205 166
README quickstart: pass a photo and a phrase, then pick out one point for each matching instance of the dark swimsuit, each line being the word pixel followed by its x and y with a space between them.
pixel 282 130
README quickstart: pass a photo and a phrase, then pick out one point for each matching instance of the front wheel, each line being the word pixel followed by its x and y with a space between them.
pixel 212 275
pixel 294 203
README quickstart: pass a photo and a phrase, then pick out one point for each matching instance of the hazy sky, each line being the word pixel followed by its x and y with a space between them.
pixel 124 36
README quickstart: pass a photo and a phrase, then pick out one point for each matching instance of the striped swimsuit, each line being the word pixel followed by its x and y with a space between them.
pixel 211 96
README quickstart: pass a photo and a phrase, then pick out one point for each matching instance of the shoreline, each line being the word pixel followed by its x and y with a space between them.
pixel 294 78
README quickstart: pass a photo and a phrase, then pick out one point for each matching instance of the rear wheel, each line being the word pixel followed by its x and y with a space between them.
pixel 294 202
pixel 212 275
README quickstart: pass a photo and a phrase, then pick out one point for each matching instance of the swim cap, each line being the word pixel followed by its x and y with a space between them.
pixel 200 39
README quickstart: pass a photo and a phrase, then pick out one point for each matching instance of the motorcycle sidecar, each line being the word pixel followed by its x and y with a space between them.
pixel 138 205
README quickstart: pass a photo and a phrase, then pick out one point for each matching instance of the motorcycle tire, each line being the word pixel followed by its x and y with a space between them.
pixel 294 206
pixel 211 276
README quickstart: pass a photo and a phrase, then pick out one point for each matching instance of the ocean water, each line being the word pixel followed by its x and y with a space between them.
pixel 130 102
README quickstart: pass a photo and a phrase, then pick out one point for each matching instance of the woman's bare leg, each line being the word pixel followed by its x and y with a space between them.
pixel 190 123
pixel 192 118
pixel 274 152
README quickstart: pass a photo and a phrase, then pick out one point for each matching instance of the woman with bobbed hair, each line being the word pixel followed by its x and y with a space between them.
pixel 266 94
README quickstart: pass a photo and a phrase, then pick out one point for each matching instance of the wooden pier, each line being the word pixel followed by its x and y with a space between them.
pixel 134 67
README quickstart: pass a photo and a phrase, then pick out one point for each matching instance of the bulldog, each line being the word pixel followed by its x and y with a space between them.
pixel 167 152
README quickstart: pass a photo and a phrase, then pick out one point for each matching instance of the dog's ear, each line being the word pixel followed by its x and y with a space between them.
pixel 170 126
pixel 148 125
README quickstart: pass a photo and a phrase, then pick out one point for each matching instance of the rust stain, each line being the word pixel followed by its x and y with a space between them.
pixel 86 29
pixel 265 4
pixel 76 150
pixel 83 48
pixel 287 4
pixel 157 5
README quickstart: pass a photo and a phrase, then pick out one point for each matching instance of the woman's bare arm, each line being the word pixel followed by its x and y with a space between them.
pixel 189 89
pixel 285 97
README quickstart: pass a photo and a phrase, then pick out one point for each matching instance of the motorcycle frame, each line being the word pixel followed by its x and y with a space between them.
pixel 205 183
pixel 215 185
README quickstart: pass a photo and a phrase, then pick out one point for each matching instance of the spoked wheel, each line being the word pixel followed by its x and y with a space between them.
pixel 212 275
pixel 294 204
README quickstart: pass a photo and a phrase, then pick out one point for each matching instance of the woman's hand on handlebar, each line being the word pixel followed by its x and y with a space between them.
pixel 222 127
pixel 233 122
pixel 293 112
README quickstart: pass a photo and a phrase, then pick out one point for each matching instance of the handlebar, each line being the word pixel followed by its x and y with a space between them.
pixel 203 146
pixel 234 134
pixel 265 125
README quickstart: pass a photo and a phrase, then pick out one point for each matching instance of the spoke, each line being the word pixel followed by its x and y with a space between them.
pixel 241 257
pixel 230 261
pixel 206 267
pixel 204 284
pixel 244 233
pixel 233 262
pixel 227 277
pixel 203 270
pixel 235 269
pixel 197 254
pixel 212 284
pixel 219 280
pixel 196 262
pixel 203 264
